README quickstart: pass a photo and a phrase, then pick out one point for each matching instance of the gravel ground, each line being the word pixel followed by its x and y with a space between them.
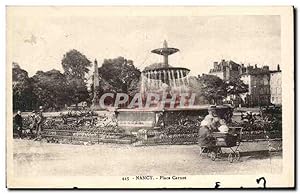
pixel 40 159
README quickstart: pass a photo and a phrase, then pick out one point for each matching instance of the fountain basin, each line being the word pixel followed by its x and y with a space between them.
pixel 132 119
pixel 166 73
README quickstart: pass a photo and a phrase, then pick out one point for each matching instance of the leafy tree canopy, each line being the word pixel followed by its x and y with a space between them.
pixel 51 89
pixel 18 73
pixel 236 87
pixel 119 73
pixel 22 89
pixel 75 65
pixel 213 88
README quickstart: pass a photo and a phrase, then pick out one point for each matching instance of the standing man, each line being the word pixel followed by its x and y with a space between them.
pixel 39 123
pixel 19 123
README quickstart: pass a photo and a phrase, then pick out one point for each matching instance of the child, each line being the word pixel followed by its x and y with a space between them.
pixel 223 128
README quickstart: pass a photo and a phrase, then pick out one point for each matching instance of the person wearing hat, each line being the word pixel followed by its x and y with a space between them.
pixel 19 123
pixel 39 122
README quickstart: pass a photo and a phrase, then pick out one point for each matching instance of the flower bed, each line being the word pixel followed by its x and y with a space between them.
pixel 172 134
pixel 80 128
pixel 72 128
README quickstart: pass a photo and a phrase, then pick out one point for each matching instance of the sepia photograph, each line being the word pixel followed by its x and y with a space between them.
pixel 150 97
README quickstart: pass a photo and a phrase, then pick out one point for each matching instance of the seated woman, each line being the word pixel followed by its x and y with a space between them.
pixel 205 138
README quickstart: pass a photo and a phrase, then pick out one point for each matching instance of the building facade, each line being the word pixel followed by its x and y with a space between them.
pixel 258 81
pixel 264 85
pixel 226 70
pixel 275 87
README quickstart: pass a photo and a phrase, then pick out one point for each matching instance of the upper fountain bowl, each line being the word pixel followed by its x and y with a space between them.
pixel 165 51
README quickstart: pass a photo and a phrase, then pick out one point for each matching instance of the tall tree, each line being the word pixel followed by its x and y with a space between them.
pixel 236 87
pixel 120 74
pixel 76 66
pixel 51 89
pixel 196 87
pixel 22 89
pixel 213 88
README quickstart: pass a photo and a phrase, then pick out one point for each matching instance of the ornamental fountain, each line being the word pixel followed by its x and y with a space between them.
pixel 162 76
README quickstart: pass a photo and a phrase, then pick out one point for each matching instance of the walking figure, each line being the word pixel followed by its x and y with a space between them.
pixel 32 126
pixel 19 123
pixel 39 122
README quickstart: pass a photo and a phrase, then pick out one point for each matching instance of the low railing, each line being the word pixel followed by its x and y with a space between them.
pixel 70 136
pixel 192 138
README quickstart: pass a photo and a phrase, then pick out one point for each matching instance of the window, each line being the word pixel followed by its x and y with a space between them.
pixel 266 81
pixel 261 81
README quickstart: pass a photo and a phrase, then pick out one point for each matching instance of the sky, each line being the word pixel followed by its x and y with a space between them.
pixel 38 38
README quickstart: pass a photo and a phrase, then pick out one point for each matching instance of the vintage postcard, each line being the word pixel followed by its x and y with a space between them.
pixel 150 97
